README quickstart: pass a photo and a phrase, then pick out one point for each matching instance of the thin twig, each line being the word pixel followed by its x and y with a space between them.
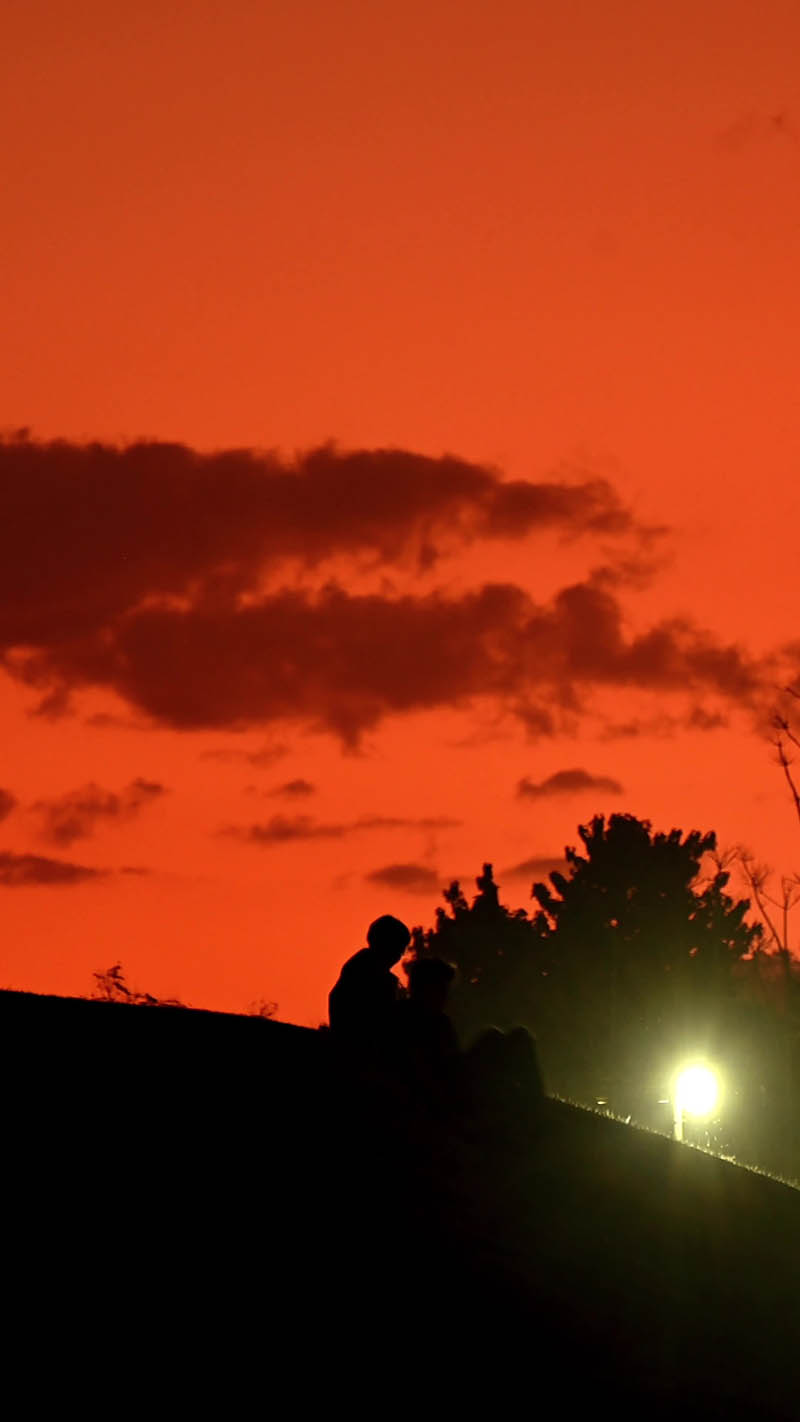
pixel 786 767
pixel 756 883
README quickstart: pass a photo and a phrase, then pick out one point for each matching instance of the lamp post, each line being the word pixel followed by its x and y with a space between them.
pixel 695 1092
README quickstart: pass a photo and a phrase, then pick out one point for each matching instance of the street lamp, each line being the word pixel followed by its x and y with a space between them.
pixel 695 1092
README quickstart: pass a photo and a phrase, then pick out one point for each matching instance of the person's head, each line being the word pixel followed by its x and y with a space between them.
pixel 388 938
pixel 429 980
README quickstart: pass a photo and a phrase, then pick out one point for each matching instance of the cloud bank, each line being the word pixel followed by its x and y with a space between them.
pixel 156 555
pixel 342 662
pixel 113 526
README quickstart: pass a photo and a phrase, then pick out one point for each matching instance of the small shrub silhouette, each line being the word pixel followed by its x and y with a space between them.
pixel 262 1007
pixel 110 986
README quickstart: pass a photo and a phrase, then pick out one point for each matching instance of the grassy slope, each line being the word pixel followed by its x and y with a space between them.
pixel 224 1165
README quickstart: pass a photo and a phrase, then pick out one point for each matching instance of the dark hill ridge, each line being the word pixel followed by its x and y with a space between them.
pixel 214 1178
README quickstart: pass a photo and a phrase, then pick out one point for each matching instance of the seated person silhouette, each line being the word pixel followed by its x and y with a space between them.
pixel 505 1077
pixel 427 1042
pixel 427 1033
pixel 362 1004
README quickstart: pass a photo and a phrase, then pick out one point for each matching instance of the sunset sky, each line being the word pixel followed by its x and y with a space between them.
pixel 412 396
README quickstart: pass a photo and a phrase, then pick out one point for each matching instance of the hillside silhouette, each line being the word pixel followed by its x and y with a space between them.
pixel 209 1184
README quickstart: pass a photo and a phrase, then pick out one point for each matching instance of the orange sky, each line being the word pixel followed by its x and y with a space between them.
pixel 558 243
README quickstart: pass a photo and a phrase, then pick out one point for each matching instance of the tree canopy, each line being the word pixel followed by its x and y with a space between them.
pixel 629 950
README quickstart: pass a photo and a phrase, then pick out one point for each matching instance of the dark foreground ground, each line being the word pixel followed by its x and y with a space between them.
pixel 209 1213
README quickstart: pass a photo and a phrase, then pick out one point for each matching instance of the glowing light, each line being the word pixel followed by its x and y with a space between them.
pixel 697 1090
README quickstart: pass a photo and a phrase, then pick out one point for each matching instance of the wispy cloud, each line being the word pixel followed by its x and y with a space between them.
pixel 536 868
pixel 294 789
pixel 25 870
pixel 76 814
pixel 281 828
pixel 7 803
pixel 407 878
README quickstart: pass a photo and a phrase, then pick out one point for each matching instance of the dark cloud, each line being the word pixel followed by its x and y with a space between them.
pixel 54 705
pixel 701 719
pixel 7 803
pixel 22 870
pixel 115 526
pixel 281 829
pixel 141 789
pixel 343 662
pixel 156 557
pixel 76 814
pixel 567 782
pixel 294 789
pixel 409 878
pixel 511 508
pixel 536 868
pixel 632 570
pixel 659 725
pixel 109 721
pixel 538 721
pixel 697 718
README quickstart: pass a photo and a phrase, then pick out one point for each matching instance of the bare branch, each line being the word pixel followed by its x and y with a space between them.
pixel 786 767
pixel 756 876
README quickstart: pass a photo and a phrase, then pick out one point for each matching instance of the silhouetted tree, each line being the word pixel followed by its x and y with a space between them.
pixel 771 979
pixel 625 956
pixel 776 898
pixel 641 947
pixel 496 954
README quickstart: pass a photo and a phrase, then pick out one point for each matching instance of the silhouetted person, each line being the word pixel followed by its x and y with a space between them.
pixel 429 1052
pixel 362 1005
pixel 426 1032
pixel 506 1081
pixel 522 1065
